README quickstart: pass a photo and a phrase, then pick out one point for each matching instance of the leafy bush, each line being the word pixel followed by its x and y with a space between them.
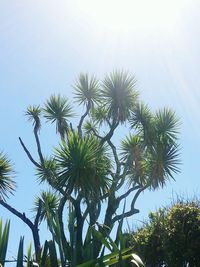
pixel 171 237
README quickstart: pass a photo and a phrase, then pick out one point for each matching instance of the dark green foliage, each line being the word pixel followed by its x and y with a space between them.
pixel 171 237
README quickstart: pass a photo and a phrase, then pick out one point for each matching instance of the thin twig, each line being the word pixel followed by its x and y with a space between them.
pixel 29 154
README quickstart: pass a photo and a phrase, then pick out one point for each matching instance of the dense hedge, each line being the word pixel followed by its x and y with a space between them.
pixel 171 237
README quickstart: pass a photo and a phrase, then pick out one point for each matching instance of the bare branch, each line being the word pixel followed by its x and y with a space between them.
pixel 20 215
pixel 107 120
pixel 85 214
pixel 109 135
pixel 95 134
pixel 38 145
pixel 83 117
pixel 71 128
pixel 60 218
pixel 132 209
pixel 114 150
pixel 29 154
pixel 28 222
pixel 37 217
pixel 67 195
pixel 128 192
pixel 123 176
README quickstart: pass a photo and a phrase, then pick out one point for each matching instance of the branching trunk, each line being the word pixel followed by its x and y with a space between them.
pixel 65 244
pixel 83 117
pixel 28 222
pixel 79 233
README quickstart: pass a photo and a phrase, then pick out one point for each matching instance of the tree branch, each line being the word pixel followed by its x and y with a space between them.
pixel 110 133
pixel 29 154
pixel 128 192
pixel 38 145
pixel 83 117
pixel 60 218
pixel 95 134
pixel 20 215
pixel 123 176
pixel 132 209
pixel 114 150
pixel 37 217
pixel 61 190
pixel 28 222
pixel 107 120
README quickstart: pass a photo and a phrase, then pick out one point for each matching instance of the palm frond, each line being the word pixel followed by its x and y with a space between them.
pixel 7 183
pixel 49 203
pixel 134 154
pixel 130 145
pixel 141 118
pixel 100 115
pixel 119 95
pixel 163 163
pixel 166 124
pixel 33 113
pixel 57 109
pixel 48 171
pixel 87 89
pixel 89 127
pixel 84 165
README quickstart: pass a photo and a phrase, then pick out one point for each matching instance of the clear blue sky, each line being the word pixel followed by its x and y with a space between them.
pixel 45 44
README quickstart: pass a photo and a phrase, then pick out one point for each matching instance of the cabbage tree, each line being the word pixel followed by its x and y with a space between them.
pixel 92 172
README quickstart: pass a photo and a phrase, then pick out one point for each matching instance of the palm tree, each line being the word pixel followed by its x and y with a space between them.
pixel 48 202
pixel 87 90
pixel 57 109
pixel 154 149
pixel 87 94
pixel 7 183
pixel 83 166
pixel 119 95
pixel 87 171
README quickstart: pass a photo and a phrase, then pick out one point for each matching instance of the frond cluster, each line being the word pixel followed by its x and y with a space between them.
pixel 58 109
pixel 119 95
pixel 7 183
pixel 48 203
pixel 87 90
pixel 33 113
pixel 84 165
pixel 149 154
pixel 153 152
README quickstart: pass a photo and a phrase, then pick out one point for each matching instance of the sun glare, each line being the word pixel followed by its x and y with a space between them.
pixel 134 15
